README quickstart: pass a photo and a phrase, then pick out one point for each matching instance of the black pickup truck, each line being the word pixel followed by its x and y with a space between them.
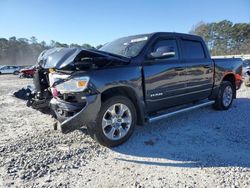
pixel 132 81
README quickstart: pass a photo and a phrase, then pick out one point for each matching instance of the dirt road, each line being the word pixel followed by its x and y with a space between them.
pixel 202 148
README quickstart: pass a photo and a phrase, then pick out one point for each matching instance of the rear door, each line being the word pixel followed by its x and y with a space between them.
pixel 199 69
pixel 165 79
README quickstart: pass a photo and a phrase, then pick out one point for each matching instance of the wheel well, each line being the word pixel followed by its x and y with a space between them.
pixel 128 92
pixel 231 78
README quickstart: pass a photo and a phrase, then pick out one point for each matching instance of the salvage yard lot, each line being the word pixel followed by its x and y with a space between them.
pixel 202 148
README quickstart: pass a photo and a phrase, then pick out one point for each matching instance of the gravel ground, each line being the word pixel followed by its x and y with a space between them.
pixel 202 148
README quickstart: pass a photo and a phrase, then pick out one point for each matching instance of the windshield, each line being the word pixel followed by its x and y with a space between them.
pixel 246 63
pixel 126 46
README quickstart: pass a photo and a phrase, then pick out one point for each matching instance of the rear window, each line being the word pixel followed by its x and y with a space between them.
pixel 192 50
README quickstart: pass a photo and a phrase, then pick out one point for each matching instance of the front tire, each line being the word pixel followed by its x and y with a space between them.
pixel 225 96
pixel 115 123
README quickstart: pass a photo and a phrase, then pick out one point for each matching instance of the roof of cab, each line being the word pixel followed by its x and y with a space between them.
pixel 184 35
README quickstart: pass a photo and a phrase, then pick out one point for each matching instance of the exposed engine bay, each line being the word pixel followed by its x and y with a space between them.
pixel 56 66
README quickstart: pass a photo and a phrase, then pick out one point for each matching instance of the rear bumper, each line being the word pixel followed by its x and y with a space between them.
pixel 76 115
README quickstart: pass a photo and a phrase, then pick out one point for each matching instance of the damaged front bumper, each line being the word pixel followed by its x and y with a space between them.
pixel 74 115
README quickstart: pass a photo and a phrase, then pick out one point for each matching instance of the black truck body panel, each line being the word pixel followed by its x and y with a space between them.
pixel 66 58
pixel 155 84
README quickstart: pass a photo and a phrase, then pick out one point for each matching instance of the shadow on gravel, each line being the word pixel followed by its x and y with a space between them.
pixel 201 138
pixel 84 130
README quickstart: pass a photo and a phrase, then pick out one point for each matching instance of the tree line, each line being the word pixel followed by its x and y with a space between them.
pixel 222 38
pixel 23 51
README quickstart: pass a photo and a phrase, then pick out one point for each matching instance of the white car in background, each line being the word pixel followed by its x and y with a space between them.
pixel 6 69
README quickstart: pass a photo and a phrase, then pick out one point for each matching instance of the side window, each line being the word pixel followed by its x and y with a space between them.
pixel 166 46
pixel 192 49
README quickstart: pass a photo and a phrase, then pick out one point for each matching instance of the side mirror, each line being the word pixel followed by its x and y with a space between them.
pixel 161 53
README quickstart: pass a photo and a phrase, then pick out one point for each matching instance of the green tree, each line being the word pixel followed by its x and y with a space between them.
pixel 52 44
pixel 74 45
pixel 58 44
pixel 33 40
pixel 87 46
pixel 224 37
pixel 43 43
pixel 99 46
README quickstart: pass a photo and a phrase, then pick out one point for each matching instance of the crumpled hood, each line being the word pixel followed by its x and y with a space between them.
pixel 59 58
pixel 56 57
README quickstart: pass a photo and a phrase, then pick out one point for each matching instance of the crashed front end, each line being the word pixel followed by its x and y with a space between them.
pixel 63 84
pixel 40 96
pixel 74 102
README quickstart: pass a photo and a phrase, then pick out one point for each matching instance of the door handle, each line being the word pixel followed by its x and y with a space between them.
pixel 179 68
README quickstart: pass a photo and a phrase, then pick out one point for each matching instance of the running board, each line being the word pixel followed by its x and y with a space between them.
pixel 168 114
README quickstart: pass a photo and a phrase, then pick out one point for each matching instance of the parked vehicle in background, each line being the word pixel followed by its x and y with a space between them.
pixel 6 69
pixel 133 80
pixel 27 72
pixel 246 72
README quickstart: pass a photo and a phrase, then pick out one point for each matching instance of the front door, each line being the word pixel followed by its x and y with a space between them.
pixel 165 79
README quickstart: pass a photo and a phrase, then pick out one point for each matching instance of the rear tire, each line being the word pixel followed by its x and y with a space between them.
pixel 225 96
pixel 115 123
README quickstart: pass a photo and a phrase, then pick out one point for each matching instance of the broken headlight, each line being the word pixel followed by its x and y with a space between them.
pixel 76 84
